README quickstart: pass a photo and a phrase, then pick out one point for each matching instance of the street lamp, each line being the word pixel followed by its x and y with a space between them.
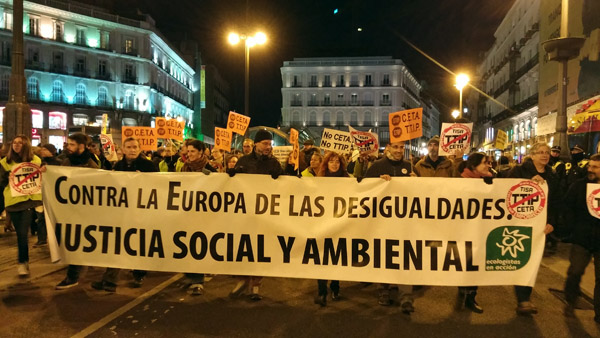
pixel 455 114
pixel 461 82
pixel 249 42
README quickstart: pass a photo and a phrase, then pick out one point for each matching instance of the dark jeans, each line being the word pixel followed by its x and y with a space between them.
pixel 22 221
pixel 468 290
pixel 334 286
pixel 111 275
pixel 195 278
pixel 580 257
pixel 73 272
pixel 523 293
pixel 42 234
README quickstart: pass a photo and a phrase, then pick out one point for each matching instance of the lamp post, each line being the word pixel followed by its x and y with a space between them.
pixel 461 82
pixel 249 42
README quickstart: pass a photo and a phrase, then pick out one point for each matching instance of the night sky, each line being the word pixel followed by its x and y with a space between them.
pixel 455 32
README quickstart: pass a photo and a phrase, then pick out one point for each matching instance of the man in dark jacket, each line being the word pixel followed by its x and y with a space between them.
pixel 133 160
pixel 259 161
pixel 586 237
pixel 77 156
pixel 391 165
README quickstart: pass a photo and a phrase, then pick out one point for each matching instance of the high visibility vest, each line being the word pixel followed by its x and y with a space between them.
pixel 8 197
pixel 557 164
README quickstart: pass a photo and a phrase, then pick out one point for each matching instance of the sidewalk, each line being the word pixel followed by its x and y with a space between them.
pixel 39 261
pixel 559 263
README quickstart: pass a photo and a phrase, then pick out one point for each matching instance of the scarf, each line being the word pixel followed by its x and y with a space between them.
pixel 195 166
pixel 468 173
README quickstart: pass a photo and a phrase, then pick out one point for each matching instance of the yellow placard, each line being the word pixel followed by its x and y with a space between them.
pixel 223 139
pixel 238 123
pixel 406 125
pixel 145 135
pixel 295 148
pixel 501 139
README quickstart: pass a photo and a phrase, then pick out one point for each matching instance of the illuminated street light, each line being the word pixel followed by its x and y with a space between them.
pixel 455 114
pixel 249 42
pixel 461 81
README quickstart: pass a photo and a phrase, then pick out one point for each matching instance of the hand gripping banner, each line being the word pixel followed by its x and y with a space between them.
pixel 420 231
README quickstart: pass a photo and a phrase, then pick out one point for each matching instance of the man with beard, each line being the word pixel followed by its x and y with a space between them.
pixel 133 160
pixel 259 161
pixel 393 165
pixel 434 165
pixel 77 156
pixel 586 237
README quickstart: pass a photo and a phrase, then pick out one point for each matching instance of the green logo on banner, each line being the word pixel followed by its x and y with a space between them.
pixel 508 248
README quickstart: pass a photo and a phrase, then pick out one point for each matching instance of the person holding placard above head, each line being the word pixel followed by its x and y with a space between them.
pixel 333 165
pixel 18 170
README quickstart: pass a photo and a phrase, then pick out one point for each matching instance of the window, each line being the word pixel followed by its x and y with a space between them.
pixel 33 88
pixel 295 117
pixel 354 99
pixel 296 82
pixel 326 119
pixel 80 119
pixel 354 81
pixel 102 68
pixel 326 100
pixel 104 40
pixel 327 81
pixel 385 99
pixel 57 120
pixel 34 26
pixel 34 56
pixel 129 100
pixel 128 122
pixel 57 62
pixel 80 65
pixel 129 46
pixel 341 82
pixel 353 118
pixel 386 80
pixel 340 119
pixel 312 118
pixel 367 119
pixel 58 31
pixel 313 81
pixel 57 91
pixel 368 80
pixel 5 84
pixel 8 21
pixel 80 97
pixel 102 97
pixel 80 36
pixel 129 73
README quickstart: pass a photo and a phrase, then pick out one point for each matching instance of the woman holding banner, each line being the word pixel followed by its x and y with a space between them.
pixel 315 164
pixel 333 165
pixel 21 167
pixel 476 166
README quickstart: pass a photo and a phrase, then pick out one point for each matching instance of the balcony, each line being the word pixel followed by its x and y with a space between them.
pixel 326 103
pixel 385 103
pixel 313 103
pixel 368 102
pixel 58 69
pixel 296 103
pixel 368 84
pixel 132 79
pixel 516 109
pixel 312 84
pixel 340 102
pixel 130 51
pixel 353 103
pixel 327 84
pixel 385 84
pixel 296 84
pixel 35 65
pixel 104 76
pixel 353 83
pixel 81 73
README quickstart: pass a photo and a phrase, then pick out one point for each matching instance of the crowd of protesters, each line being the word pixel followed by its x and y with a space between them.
pixel 568 217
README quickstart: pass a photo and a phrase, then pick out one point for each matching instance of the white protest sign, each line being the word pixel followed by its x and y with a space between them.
pixel 593 199
pixel 281 153
pixel 455 136
pixel 108 147
pixel 25 179
pixel 454 232
pixel 336 141
pixel 366 142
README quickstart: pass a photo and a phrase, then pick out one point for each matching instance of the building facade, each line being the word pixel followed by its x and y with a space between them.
pixel 217 106
pixel 82 62
pixel 335 93
pixel 509 73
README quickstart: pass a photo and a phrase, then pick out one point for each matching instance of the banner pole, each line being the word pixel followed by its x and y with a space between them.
pixel 409 152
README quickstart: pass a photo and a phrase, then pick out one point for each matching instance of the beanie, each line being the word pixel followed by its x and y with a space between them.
pixel 262 135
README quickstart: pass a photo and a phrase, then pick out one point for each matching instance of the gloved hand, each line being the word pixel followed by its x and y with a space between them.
pixel 488 180
pixel 274 175
pixel 231 172
pixel 359 178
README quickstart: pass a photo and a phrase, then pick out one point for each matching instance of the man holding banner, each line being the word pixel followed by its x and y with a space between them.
pixel 259 161
pixel 434 165
pixel 391 165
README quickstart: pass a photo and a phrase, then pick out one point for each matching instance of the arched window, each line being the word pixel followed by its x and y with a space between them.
pixel 33 88
pixel 326 119
pixel 312 118
pixel 368 119
pixel 102 97
pixel 80 97
pixel 57 92
pixel 353 118
pixel 340 119
pixel 128 100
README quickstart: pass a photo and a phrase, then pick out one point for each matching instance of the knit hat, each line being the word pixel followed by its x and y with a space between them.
pixel 435 139
pixel 262 135
pixel 51 148
pixel 309 142
pixel 556 148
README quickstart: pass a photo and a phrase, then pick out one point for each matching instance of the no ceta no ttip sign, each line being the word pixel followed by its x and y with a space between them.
pixel 25 179
pixel 526 200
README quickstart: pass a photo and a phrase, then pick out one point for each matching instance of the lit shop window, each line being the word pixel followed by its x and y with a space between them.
pixel 57 141
pixel 80 119
pixel 57 120
pixel 37 119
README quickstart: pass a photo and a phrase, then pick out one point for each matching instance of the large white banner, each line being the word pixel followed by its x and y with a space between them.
pixel 424 231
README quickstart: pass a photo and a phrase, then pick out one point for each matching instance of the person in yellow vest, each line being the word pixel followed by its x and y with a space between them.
pixel 20 208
